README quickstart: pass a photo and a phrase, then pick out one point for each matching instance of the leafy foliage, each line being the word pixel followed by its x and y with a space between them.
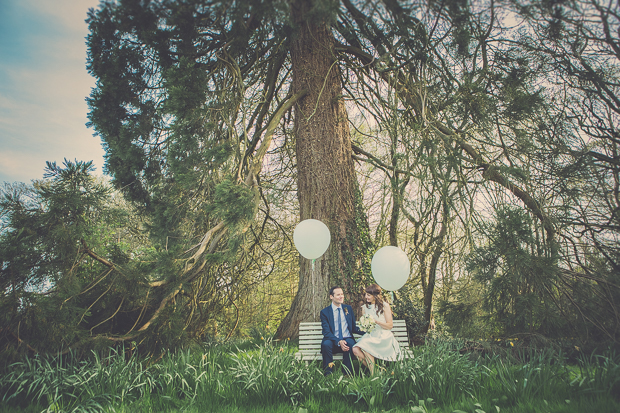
pixel 517 277
pixel 53 294
pixel 406 306
pixel 78 271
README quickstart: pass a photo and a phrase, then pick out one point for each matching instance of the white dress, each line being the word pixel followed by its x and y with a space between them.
pixel 379 342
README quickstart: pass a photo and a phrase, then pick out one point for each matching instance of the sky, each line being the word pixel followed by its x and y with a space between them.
pixel 43 87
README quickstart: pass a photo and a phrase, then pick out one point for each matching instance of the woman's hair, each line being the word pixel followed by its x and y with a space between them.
pixel 375 290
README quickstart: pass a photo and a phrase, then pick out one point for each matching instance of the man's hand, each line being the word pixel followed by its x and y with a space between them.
pixel 343 345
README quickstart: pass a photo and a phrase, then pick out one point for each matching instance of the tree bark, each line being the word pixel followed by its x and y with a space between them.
pixel 327 185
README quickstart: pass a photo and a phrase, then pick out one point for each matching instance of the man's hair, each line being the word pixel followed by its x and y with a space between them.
pixel 331 290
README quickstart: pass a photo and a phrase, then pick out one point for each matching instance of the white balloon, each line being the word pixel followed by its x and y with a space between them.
pixel 390 268
pixel 311 238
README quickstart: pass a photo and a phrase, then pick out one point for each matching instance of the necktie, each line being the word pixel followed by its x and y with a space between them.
pixel 339 325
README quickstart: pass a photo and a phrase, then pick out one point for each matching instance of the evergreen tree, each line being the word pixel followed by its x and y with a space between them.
pixel 55 293
pixel 518 278
pixel 188 99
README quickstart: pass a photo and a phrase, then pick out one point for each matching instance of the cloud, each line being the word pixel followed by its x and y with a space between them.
pixel 12 163
pixel 68 13
pixel 43 86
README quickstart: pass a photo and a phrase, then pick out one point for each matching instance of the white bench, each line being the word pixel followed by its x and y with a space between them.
pixel 311 336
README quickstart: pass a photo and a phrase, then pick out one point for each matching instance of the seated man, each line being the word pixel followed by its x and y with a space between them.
pixel 338 325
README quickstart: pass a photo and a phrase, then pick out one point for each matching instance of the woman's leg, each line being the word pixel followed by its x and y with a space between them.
pixel 366 359
pixel 370 360
pixel 359 354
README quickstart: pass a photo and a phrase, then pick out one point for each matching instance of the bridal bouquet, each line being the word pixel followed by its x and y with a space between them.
pixel 365 322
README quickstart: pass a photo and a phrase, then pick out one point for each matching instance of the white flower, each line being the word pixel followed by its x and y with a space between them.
pixel 366 323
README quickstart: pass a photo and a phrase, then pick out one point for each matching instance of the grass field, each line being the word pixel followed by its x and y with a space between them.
pixel 266 377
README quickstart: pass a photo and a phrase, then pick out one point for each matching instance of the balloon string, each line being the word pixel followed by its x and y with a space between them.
pixel 313 291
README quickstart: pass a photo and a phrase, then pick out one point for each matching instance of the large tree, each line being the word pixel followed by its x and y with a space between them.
pixel 189 98
pixel 326 183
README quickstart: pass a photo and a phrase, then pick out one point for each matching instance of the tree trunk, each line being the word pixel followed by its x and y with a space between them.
pixel 326 182
pixel 429 286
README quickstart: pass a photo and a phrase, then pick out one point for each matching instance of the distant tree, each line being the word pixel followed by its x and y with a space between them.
pixel 453 100
pixel 518 279
pixel 579 45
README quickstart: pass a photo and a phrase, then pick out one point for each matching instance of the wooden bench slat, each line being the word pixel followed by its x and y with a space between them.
pixel 317 345
pixel 317 324
pixel 318 338
pixel 394 329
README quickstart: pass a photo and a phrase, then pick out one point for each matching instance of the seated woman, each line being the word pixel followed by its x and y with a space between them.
pixel 379 342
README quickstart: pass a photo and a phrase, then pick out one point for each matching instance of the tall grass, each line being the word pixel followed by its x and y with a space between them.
pixel 439 377
pixel 271 373
pixel 64 383
pixel 598 374
pixel 437 371
pixel 543 373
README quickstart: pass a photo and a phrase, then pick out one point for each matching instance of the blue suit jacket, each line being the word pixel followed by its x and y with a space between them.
pixel 327 322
